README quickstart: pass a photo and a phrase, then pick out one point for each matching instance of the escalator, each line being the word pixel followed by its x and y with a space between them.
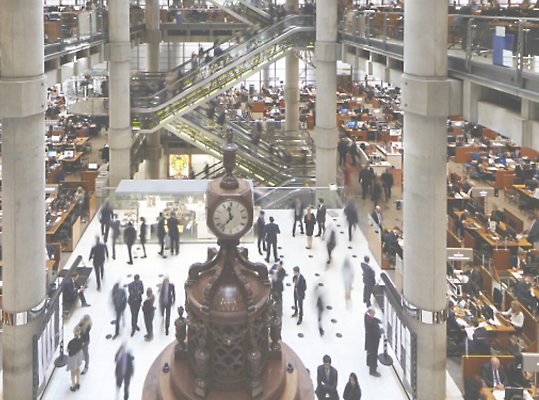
pixel 248 11
pixel 150 113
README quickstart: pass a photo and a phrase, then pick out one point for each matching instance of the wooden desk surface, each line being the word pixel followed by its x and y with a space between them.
pixel 524 190
pixel 500 394
pixel 72 160
pixel 55 227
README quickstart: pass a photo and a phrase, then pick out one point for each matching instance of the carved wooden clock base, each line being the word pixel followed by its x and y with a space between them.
pixel 179 383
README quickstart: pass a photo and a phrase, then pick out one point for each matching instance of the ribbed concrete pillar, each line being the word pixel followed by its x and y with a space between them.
pixel 266 76
pixel 291 95
pixel 118 52
pixel 152 154
pixel 425 99
pixel 325 133
pixel 471 95
pixel 153 35
pixel 22 103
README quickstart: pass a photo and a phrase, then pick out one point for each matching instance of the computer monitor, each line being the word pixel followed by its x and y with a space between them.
pixel 52 153
pixel 487 312
pixel 351 124
pixel 510 233
pixel 55 139
pixel 69 154
pixel 514 393
pixel 451 139
pixel 532 184
pixel 92 166
pixel 344 111
pixel 501 161
pixel 482 219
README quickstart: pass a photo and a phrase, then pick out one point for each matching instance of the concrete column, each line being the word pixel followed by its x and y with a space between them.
pixel 152 154
pixel 118 52
pixel 471 95
pixel 425 100
pixel 529 112
pixel 266 76
pixel 22 103
pixel 291 95
pixel 325 133
pixel 153 35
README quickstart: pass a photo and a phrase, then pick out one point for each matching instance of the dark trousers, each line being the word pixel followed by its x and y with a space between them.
pixel 105 226
pixel 82 297
pixel 364 190
pixel 162 244
pixel 330 250
pixel 118 320
pixel 99 272
pixel 350 229
pixel 165 311
pixel 261 240
pixel 387 189
pixel 114 239
pixel 148 321
pixel 299 306
pixel 174 244
pixel 126 380
pixel 135 307
pixel 86 354
pixel 342 159
pixel 268 251
pixel 321 227
pixel 130 252
pixel 296 219
pixel 367 292
pixel 323 391
pixel 372 358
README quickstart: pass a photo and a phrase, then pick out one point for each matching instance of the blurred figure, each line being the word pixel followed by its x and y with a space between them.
pixel 85 326
pixel 320 305
pixel 277 274
pixel 174 233
pixel 106 216
pixel 148 311
pixel 124 370
pixel 99 253
pixel 161 233
pixel 142 235
pixel 348 279
pixel 387 182
pixel 116 231
pixel 136 289
pixel 298 216
pixel 310 222
pixel 351 216
pixel 332 242
pixel 261 227
pixel 321 217
pixel 119 302
pixel 130 235
pixel 167 297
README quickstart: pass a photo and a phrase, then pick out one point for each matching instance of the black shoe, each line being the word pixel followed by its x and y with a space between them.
pixel 77 386
pixel 321 331
pixel 86 305
pixel 84 370
pixel 299 321
pixel 73 388
pixel 375 374
pixel 295 314
pixel 318 235
pixel 166 331
pixel 132 333
pixel 159 253
pixel 130 262
pixel 115 336
pixel 138 328
pixel 144 257
pixel 267 260
pixel 259 252
pixel 303 233
pixel 114 257
pixel 148 339
pixel 293 235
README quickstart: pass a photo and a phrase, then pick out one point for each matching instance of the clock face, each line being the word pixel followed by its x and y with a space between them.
pixel 231 217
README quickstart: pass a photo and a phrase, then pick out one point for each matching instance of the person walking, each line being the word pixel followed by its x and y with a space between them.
pixel 85 326
pixel 369 280
pixel 351 216
pixel 352 390
pixel 135 289
pixel 365 179
pixel 332 242
pixel 124 370
pixel 310 222
pixel 298 216
pixel 119 302
pixel 376 191
pixel 167 297
pixel 116 232
pixel 174 233
pixel 105 218
pixel 130 235
pixel 320 306
pixel 142 235
pixel 387 182
pixel 99 253
pixel 161 233
pixel 278 273
pixel 342 148
pixel 271 230
pixel 75 356
pixel 348 279
pixel 326 378
pixel 261 230
pixel 148 310
pixel 321 217
pixel 300 286
pixel 373 331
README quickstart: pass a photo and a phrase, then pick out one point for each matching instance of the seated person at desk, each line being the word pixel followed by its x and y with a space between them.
pixel 525 293
pixel 533 230
pixel 462 225
pixel 479 345
pixel 50 252
pixel 455 331
pixel 519 261
pixel 494 374
pixel 466 187
pixel 515 315
pixel 72 290
pixel 497 215
pixel 392 242
pixel 475 276
pixel 517 377
pixel 473 388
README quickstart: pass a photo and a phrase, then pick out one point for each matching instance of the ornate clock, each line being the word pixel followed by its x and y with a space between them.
pixel 229 200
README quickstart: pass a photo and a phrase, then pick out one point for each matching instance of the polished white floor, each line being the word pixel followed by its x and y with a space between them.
pixel 347 352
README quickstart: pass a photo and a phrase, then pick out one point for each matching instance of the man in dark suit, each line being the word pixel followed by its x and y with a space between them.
pixel 72 290
pixel 167 297
pixel 524 293
pixel 116 231
pixel 261 228
pixel 373 331
pixel 106 216
pixel 124 369
pixel 130 235
pixel 474 275
pixel 497 215
pixel 161 233
pixel 365 179
pixel 271 230
pixel 326 378
pixel 342 148
pixel 98 253
pixel 369 280
pixel 377 216
pixel 298 216
pixel 277 287
pixel 533 230
pixel 392 242
pixel 321 217
pixel 174 233
pixel 376 190
pixel 300 286
pixel 136 289
pixel 387 182
pixel 494 374
pixel 519 261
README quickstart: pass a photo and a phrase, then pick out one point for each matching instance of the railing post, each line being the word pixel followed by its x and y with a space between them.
pixel 368 30
pixel 469 45
pixel 520 53
pixel 385 31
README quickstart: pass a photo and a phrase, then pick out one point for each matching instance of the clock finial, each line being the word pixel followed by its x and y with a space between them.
pixel 229 150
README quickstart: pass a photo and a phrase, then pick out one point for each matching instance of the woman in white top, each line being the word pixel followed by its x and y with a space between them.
pixel 515 315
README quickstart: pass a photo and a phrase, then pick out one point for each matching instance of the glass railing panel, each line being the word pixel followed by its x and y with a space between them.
pixel 136 17
pixel 52 28
pixel 530 56
pixel 68 27
pixel 395 27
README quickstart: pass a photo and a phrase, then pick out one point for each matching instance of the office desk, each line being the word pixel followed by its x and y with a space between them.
pixel 53 228
pixel 463 154
pixel 495 394
pixel 524 194
pixel 73 160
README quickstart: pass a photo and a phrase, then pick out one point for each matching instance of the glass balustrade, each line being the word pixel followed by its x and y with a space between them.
pixel 243 11
pixel 70 29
